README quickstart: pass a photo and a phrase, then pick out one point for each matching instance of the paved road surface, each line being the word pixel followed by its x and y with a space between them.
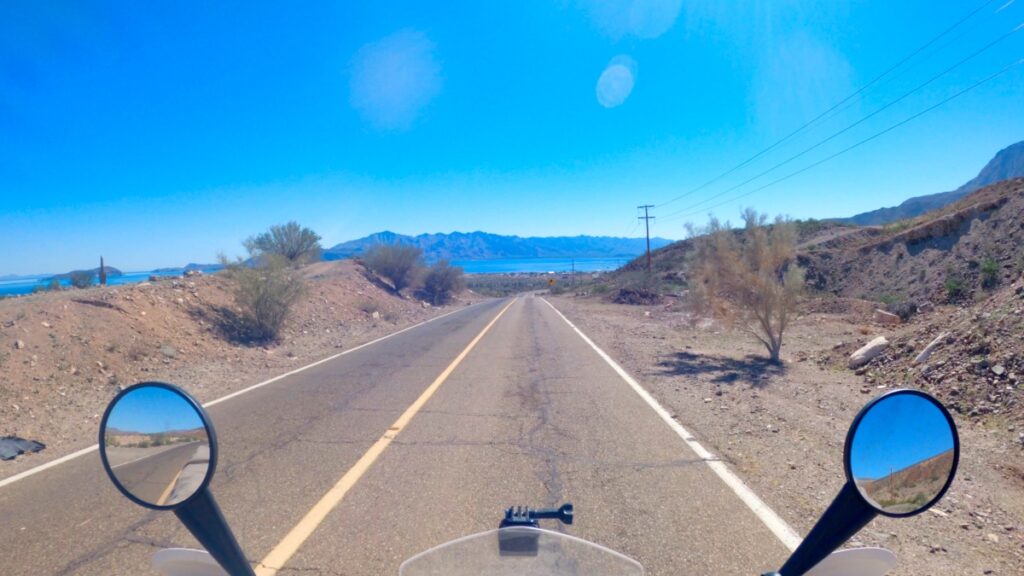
pixel 531 415
pixel 152 478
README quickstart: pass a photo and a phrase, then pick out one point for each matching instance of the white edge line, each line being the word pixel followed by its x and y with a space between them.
pixel 94 447
pixel 789 537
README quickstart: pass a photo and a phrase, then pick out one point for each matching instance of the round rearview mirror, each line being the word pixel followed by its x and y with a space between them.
pixel 902 452
pixel 157 445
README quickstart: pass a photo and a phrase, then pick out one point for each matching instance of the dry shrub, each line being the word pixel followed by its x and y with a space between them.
pixel 749 277
pixel 442 281
pixel 265 295
pixel 398 263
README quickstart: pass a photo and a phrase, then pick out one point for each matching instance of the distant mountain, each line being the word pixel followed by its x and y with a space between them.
pixel 1008 163
pixel 111 273
pixel 484 246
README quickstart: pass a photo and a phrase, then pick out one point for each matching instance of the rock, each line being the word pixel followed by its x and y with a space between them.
pixel 376 315
pixel 18 345
pixel 992 538
pixel 44 324
pixel 998 370
pixel 425 304
pixel 169 351
pixel 886 318
pixel 925 307
pixel 927 352
pixel 867 352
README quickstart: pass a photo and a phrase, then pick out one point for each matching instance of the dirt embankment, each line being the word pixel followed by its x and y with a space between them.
pixel 64 355
pixel 782 428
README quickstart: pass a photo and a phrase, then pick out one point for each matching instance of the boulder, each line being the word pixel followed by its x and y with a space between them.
pixel 867 352
pixel 925 307
pixel 927 352
pixel 886 318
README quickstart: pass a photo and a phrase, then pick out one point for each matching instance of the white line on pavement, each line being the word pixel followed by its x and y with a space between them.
pixel 773 521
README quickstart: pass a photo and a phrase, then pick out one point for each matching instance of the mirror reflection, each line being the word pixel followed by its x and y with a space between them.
pixel 156 445
pixel 902 453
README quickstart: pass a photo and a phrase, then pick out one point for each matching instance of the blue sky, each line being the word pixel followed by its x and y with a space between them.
pixel 898 432
pixel 161 133
pixel 152 409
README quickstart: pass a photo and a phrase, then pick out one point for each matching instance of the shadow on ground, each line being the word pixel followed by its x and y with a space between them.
pixel 754 370
pixel 232 326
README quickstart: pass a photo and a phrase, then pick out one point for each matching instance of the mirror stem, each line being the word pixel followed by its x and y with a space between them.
pixel 847 514
pixel 204 520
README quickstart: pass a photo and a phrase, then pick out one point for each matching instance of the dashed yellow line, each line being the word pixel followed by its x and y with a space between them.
pixel 298 535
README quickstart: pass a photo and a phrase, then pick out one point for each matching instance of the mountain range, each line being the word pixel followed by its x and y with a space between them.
pixel 484 246
pixel 1007 163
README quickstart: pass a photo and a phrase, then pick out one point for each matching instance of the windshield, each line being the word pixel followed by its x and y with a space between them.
pixel 557 554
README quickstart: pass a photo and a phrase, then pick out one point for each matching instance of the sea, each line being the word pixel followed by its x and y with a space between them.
pixel 25 284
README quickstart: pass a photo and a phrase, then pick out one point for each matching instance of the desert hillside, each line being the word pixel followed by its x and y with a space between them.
pixel 64 355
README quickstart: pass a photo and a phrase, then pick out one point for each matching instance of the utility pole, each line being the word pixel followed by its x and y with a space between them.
pixel 647 224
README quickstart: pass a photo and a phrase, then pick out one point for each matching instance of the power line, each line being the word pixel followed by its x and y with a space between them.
pixel 837 105
pixel 849 127
pixel 858 144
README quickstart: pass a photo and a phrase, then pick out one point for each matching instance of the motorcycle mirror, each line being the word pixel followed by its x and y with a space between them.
pixel 157 445
pixel 902 453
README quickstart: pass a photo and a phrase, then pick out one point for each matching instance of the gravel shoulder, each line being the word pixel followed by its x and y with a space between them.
pixel 782 429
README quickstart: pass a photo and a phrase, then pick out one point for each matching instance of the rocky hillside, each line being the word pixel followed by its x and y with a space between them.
pixel 1008 163
pixel 953 254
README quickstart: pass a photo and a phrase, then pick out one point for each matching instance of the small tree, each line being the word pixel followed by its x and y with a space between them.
pixel 290 241
pixel 53 285
pixel 398 263
pixel 749 277
pixel 266 294
pixel 81 278
pixel 989 273
pixel 442 281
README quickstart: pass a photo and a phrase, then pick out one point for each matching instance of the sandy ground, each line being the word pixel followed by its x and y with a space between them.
pixel 63 356
pixel 782 430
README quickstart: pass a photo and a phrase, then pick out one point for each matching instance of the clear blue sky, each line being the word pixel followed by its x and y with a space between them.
pixel 152 409
pixel 900 431
pixel 159 133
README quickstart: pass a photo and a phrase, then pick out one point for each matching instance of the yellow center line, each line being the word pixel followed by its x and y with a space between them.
pixel 298 535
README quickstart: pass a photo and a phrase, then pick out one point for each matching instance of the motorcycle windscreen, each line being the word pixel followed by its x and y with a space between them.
pixel 520 552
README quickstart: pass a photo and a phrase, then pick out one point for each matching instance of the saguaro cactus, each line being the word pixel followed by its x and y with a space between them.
pixel 103 273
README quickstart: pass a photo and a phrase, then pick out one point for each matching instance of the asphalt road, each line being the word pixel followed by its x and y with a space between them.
pixel 531 416
pixel 152 478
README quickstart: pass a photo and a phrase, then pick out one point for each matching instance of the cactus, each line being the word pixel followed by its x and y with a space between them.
pixel 103 273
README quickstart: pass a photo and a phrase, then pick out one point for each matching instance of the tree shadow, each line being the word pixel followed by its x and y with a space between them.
pixel 232 326
pixel 754 370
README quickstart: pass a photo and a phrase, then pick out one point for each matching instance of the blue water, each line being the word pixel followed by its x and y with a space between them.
pixel 498 266
pixel 539 265
pixel 25 285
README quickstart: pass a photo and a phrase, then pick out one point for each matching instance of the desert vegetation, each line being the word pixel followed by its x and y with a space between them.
pixel 441 282
pixel 399 264
pixel 294 243
pixel 749 277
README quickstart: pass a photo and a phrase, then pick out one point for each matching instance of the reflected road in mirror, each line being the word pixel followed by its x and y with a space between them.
pixel 157 446
pixel 902 453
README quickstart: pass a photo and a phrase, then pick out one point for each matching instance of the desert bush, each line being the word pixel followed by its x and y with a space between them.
pixel 989 273
pixel 265 294
pixel 290 241
pixel 368 306
pixel 398 263
pixel 53 285
pixel 902 308
pixel 82 278
pixel 749 277
pixel 38 288
pixel 954 288
pixel 442 281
